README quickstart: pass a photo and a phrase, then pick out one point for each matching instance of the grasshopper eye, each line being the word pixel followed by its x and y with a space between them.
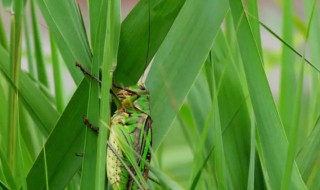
pixel 142 87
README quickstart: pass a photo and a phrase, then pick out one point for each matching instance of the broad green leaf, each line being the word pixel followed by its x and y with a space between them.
pixel 272 153
pixel 179 60
pixel 133 48
pixel 62 146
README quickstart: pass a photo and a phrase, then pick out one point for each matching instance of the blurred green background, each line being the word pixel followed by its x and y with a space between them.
pixel 234 89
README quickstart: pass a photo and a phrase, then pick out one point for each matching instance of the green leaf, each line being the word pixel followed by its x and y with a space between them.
pixel 68 136
pixel 179 60
pixel 269 127
pixel 111 46
pixel 3 36
pixel 219 160
pixel 165 180
pixel 314 41
pixel 97 16
pixel 294 131
pixel 28 48
pixel 35 100
pixel 4 105
pixel 308 156
pixel 234 115
pixel 56 67
pixel 41 69
pixel 287 90
pixel 88 175
pixel 200 103
pixel 253 9
pixel 9 179
pixel 65 22
pixel 134 37
pixel 14 73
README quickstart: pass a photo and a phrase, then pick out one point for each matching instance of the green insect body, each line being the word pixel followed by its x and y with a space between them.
pixel 130 139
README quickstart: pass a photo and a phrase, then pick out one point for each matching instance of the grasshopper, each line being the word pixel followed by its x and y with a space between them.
pixel 130 139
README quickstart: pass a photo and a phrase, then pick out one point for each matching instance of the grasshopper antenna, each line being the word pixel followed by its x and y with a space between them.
pixel 87 73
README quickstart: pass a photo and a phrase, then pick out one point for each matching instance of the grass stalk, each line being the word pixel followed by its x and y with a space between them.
pixel 109 63
pixel 56 66
pixel 253 10
pixel 287 90
pixel 293 135
pixel 269 125
pixel 314 41
pixel 89 175
pixel 220 166
pixel 40 64
pixel 3 36
pixel 15 66
pixel 26 30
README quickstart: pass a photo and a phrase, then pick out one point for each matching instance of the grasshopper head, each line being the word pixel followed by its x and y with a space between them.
pixel 133 92
pixel 136 96
pixel 139 89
